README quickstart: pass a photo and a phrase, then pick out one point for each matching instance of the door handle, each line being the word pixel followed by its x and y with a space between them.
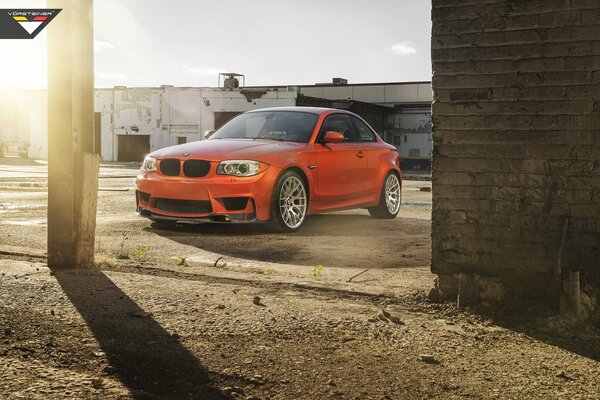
pixel 360 154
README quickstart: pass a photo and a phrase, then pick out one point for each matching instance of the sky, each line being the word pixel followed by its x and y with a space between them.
pixel 271 42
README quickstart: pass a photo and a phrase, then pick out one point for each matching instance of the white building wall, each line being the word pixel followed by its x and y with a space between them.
pixel 103 103
pixel 410 131
pixel 424 92
pixel 401 94
pixel 414 145
pixel 167 113
pixel 370 94
pixel 215 100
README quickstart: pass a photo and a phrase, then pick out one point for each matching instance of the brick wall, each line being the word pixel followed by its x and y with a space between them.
pixel 516 118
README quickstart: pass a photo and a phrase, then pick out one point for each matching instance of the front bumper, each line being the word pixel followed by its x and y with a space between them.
pixel 214 198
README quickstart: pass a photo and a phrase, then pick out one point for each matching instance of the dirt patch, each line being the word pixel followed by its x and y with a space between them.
pixel 115 334
pixel 349 239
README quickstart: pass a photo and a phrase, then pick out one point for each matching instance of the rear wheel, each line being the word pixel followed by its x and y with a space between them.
pixel 290 203
pixel 389 199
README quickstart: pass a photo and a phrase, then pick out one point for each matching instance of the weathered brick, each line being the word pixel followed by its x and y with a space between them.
pixel 516 132
pixel 584 138
pixel 511 107
pixel 546 78
pixel 515 93
pixel 534 122
pixel 517 151
pixel 516 51
pixel 534 35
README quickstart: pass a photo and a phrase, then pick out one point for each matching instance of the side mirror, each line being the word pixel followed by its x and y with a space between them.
pixel 209 133
pixel 333 137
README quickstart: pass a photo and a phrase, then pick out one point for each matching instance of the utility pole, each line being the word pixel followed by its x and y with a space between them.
pixel 72 159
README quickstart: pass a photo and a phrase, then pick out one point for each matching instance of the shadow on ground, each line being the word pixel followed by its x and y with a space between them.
pixel 541 321
pixel 142 354
pixel 341 240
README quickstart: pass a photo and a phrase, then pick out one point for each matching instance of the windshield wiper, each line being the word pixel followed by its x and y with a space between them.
pixel 269 138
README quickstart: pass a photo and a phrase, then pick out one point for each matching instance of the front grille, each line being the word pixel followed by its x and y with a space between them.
pixel 196 168
pixel 235 203
pixel 184 206
pixel 170 166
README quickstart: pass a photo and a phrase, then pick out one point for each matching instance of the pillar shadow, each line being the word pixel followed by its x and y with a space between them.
pixel 540 320
pixel 142 354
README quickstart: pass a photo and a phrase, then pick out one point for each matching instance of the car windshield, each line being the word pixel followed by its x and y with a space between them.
pixel 284 126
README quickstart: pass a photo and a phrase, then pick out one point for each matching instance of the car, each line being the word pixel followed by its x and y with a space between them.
pixel 275 165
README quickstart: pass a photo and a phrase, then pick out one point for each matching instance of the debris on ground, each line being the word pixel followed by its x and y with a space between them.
pixel 428 358
pixel 256 300
pixel 564 376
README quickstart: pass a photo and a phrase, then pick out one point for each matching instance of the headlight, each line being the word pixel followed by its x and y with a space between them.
pixel 241 167
pixel 149 164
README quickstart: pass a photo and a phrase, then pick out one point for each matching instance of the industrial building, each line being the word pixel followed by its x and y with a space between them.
pixel 131 122
pixel 135 121
pixel 399 111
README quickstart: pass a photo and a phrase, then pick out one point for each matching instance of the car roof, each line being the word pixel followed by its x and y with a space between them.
pixel 312 110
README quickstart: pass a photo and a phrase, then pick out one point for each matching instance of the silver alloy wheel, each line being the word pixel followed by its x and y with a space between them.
pixel 292 202
pixel 393 194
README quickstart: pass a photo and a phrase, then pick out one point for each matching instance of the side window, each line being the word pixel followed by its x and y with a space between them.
pixel 364 132
pixel 339 123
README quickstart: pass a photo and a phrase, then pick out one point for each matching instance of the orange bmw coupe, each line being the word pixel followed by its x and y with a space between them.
pixel 274 165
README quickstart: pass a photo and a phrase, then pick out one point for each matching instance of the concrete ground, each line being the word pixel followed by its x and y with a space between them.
pixel 230 311
pixel 344 240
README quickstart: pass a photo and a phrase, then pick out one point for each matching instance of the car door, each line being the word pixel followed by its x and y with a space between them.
pixel 373 150
pixel 341 166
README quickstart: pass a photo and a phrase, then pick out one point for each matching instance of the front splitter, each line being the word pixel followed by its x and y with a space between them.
pixel 217 218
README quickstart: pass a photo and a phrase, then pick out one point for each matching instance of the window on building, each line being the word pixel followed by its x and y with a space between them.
pixel 414 153
pixel 405 138
pixel 364 132
pixel 397 140
pixel 181 140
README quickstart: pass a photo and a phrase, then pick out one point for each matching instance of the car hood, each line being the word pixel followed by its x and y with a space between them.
pixel 228 149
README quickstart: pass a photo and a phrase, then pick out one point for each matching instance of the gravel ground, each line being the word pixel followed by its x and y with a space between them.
pixel 243 318
pixel 129 334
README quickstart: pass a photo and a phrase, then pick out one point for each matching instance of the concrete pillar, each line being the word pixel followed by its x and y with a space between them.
pixel 468 290
pixel 72 160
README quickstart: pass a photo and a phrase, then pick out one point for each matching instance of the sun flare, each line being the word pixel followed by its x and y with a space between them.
pixel 25 67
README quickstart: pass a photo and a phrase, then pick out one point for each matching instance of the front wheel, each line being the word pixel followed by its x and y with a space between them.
pixel 390 198
pixel 290 203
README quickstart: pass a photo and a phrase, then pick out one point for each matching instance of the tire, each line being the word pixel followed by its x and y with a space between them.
pixel 391 190
pixel 290 202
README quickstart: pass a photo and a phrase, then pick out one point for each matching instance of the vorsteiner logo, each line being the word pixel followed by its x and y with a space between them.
pixel 24 23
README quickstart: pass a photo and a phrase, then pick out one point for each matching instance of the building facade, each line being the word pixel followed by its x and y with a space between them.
pixel 403 117
pixel 136 121
pixel 132 122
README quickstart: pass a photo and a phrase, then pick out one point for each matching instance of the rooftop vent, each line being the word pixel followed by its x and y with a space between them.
pixel 231 81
